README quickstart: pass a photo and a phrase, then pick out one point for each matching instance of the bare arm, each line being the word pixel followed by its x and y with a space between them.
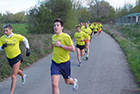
pixel 69 48
pixel 85 39
pixel 51 46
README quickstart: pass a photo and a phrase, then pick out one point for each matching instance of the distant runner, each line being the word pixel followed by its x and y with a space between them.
pixel 99 29
pixel 80 38
pixel 88 31
pixel 95 29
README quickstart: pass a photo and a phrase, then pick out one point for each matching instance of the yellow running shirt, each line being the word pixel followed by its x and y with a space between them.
pixel 88 32
pixel 95 28
pixel 80 36
pixel 82 28
pixel 99 26
pixel 12 50
pixel 61 55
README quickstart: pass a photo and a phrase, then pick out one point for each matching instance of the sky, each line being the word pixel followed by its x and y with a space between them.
pixel 14 6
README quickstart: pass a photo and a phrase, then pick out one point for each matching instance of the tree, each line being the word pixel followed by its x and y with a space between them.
pixel 20 17
pixel 0 17
pixel 83 14
pixel 41 17
pixel 8 17
pixel 100 10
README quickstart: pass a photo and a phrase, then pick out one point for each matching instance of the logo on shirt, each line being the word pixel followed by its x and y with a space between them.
pixel 10 44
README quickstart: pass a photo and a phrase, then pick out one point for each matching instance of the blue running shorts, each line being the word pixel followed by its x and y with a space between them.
pixel 63 69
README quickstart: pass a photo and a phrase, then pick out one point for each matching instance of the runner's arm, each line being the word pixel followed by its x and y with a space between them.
pixel 51 46
pixel 69 48
pixel 26 43
pixel 1 48
pixel 27 47
pixel 85 39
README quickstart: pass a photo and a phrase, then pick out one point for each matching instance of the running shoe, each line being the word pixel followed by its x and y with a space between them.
pixel 85 50
pixel 75 86
pixel 80 64
pixel 24 79
pixel 87 57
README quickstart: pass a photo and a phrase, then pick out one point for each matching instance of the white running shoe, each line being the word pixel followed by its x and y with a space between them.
pixel 75 86
pixel 24 79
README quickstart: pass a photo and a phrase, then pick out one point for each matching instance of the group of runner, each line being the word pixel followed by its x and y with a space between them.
pixel 83 37
pixel 61 45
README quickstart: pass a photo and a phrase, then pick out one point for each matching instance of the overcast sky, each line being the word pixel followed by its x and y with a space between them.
pixel 14 6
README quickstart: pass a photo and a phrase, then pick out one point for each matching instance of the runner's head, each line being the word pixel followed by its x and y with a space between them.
pixel 7 29
pixel 58 25
pixel 81 24
pixel 86 25
pixel 78 28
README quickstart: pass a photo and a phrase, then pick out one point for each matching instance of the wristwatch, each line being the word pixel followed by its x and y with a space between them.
pixel 61 45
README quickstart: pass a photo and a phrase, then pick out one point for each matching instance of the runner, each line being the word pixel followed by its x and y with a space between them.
pixel 88 31
pixel 61 45
pixel 91 27
pixel 10 42
pixel 80 37
pixel 95 29
pixel 82 26
pixel 99 28
pixel 77 24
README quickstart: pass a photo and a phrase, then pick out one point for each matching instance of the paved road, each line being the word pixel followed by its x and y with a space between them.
pixel 106 72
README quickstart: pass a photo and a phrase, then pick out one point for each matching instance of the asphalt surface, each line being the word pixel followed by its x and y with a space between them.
pixel 106 72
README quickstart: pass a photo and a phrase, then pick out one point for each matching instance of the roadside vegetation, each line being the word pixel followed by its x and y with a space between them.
pixel 129 40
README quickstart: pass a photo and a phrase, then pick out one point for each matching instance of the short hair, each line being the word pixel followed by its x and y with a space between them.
pixel 59 20
pixel 7 26
pixel 78 26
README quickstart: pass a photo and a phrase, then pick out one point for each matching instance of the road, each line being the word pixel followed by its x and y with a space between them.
pixel 106 72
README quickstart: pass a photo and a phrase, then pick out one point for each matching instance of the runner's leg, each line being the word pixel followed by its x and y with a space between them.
pixel 20 73
pixel 78 54
pixel 69 81
pixel 88 43
pixel 82 52
pixel 15 69
pixel 55 82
